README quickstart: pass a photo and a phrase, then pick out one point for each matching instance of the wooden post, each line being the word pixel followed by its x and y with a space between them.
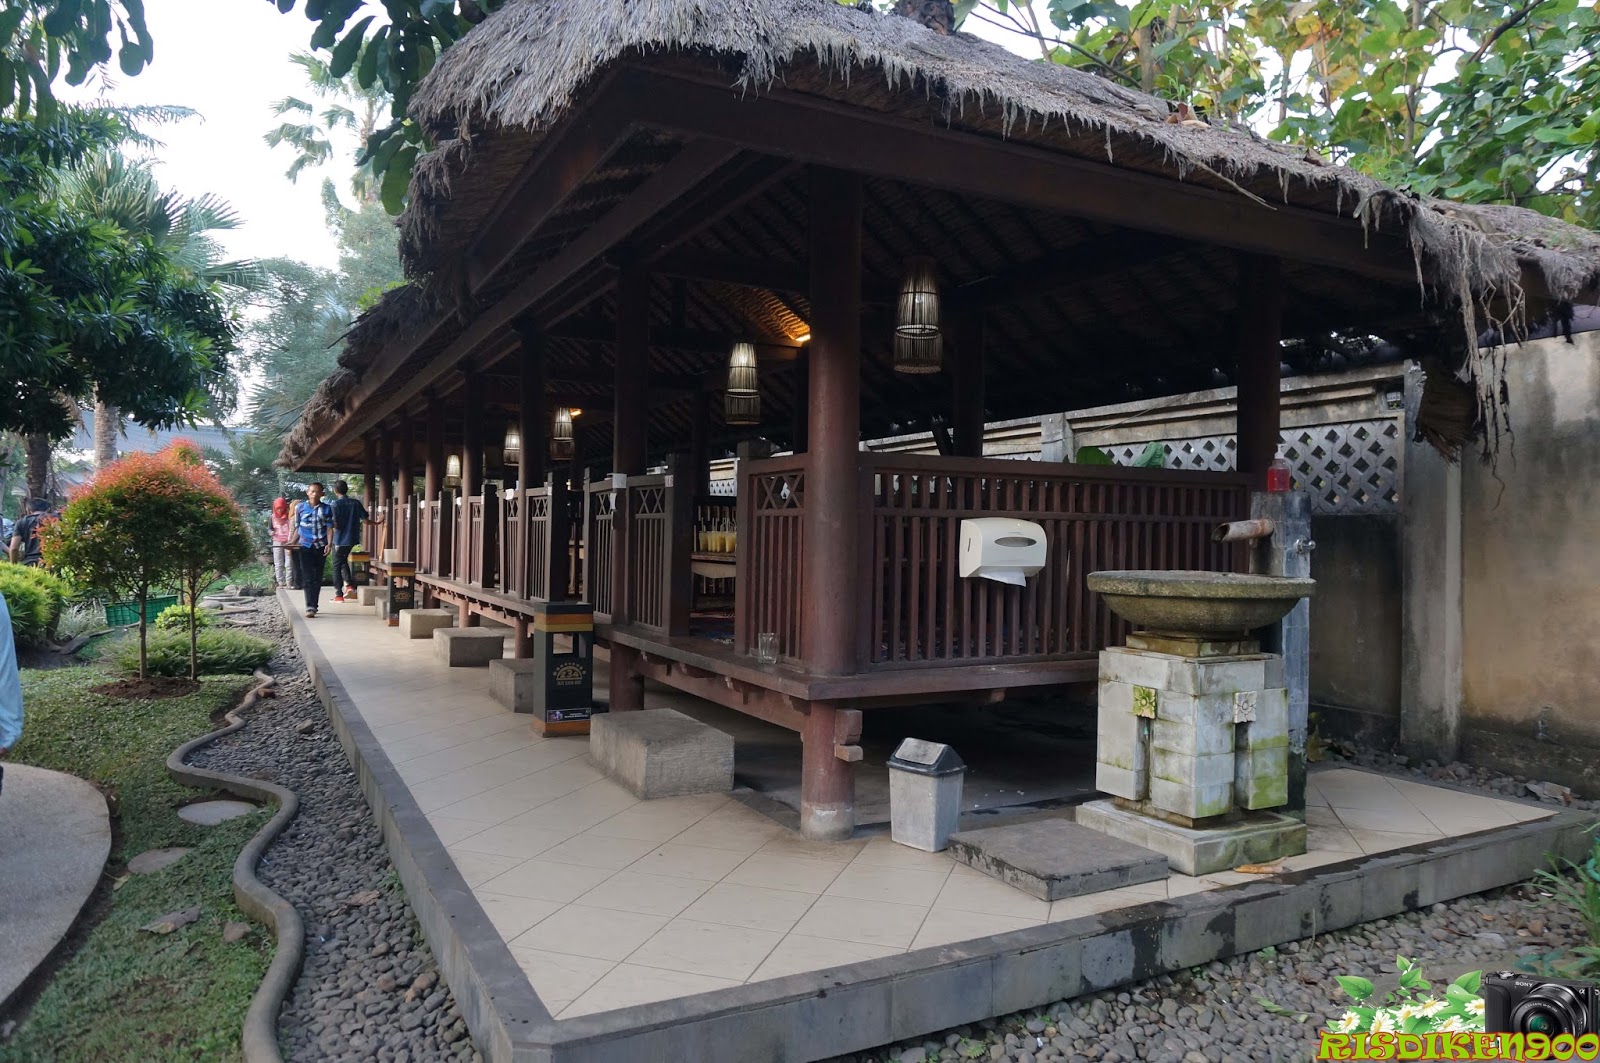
pixel 628 458
pixel 830 610
pixel 369 497
pixel 966 383
pixel 679 575
pixel 1260 327
pixel 432 480
pixel 385 489
pixel 802 392
pixel 532 426
pixel 471 465
pixel 699 470
pixel 404 471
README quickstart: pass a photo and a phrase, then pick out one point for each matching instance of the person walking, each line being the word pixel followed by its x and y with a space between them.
pixel 349 518
pixel 10 690
pixel 314 517
pixel 25 547
pixel 283 536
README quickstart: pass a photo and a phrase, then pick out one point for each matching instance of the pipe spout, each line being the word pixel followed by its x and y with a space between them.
pixel 1240 530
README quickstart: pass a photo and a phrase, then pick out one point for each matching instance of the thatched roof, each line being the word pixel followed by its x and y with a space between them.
pixel 524 67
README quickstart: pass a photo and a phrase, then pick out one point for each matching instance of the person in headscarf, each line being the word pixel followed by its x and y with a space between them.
pixel 10 689
pixel 284 540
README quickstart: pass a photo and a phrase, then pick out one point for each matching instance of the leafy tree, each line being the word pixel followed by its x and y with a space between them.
pixel 351 108
pixel 38 36
pixel 210 539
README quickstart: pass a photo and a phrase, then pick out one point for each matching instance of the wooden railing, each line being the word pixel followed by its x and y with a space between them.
pixel 771 554
pixel 647 551
pixel 511 561
pixel 1094 518
pixel 481 549
pixel 599 522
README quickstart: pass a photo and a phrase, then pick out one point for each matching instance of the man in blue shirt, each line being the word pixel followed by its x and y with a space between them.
pixel 349 521
pixel 10 689
pixel 314 519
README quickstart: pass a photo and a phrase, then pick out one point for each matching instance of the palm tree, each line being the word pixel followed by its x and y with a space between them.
pixel 125 193
pixel 309 133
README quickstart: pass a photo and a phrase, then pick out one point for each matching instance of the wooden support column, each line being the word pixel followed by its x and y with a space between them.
pixel 1259 321
pixel 628 450
pixel 531 427
pixel 471 475
pixel 700 446
pixel 405 471
pixel 832 577
pixel 385 489
pixel 369 484
pixel 966 382
pixel 802 392
pixel 433 445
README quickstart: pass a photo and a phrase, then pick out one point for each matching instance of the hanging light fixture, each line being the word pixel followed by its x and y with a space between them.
pixel 918 340
pixel 452 471
pixel 741 410
pixel 513 445
pixel 563 446
pixel 742 370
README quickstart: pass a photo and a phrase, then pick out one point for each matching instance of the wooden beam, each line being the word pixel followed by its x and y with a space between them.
pixel 433 444
pixel 1260 326
pixel 965 352
pixel 629 441
pixel 533 420
pixel 769 275
pixel 1063 269
pixel 684 339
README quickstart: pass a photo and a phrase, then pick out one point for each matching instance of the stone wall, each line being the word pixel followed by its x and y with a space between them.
pixel 1355 627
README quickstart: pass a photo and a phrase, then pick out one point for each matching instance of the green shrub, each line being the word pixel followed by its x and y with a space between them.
pixel 222 651
pixel 176 618
pixel 35 599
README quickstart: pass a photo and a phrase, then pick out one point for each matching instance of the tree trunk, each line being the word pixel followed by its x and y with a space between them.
pixel 144 598
pixel 38 464
pixel 107 426
pixel 194 636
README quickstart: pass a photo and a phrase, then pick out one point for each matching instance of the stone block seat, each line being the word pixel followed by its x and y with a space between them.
pixel 380 602
pixel 368 594
pixel 662 753
pixel 514 682
pixel 422 623
pixel 468 647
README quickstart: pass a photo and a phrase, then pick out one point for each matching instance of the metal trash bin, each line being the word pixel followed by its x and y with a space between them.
pixel 402 589
pixel 564 679
pixel 924 794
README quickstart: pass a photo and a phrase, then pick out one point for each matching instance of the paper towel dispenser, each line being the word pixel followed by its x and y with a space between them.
pixel 1003 549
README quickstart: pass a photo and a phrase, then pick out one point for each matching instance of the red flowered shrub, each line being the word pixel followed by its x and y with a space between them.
pixel 146 521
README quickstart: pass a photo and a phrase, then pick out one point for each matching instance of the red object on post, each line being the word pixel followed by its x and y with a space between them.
pixel 1278 479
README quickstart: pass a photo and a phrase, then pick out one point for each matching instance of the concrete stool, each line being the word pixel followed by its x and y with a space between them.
pixel 422 623
pixel 380 603
pixel 368 594
pixel 514 683
pixel 466 647
pixel 662 753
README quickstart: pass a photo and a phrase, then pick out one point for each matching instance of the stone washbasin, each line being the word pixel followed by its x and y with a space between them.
pixel 1211 604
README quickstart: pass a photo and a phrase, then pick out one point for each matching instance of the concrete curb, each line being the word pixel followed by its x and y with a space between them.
pixel 260 1037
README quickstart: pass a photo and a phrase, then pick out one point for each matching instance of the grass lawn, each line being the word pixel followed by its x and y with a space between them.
pixel 126 993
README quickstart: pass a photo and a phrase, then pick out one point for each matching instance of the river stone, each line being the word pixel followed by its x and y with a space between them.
pixel 153 860
pixel 210 813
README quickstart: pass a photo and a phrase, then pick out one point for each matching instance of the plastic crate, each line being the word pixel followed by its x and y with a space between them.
pixel 124 614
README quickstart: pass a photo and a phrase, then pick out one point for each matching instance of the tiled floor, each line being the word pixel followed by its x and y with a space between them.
pixel 607 901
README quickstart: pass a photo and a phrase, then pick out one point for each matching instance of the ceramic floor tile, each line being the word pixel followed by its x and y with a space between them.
pixel 1397 819
pixel 1322 816
pixel 451 830
pixel 522 838
pixel 792 845
pixel 629 891
pixel 735 835
pixel 435 794
pixel 487 809
pixel 868 922
pixel 1357 789
pixel 593 804
pixel 754 907
pixel 579 931
pixel 591 851
pixel 557 978
pixel 1378 841
pixel 882 852
pixel 546 785
pixel 547 881
pixel 968 894
pixel 707 948
pixel 677 860
pixel 1180 886
pixel 661 819
pixel 785 873
pixel 1321 858
pixel 888 884
pixel 513 915
pixel 798 954
pixel 1458 826
pixel 628 985
pixel 949 926
pixel 1335 839
pixel 478 868
pixel 1524 813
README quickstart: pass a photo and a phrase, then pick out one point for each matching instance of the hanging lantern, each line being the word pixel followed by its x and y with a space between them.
pixel 741 410
pixel 918 354
pixel 513 445
pixel 742 370
pixel 917 313
pixel 452 471
pixel 563 446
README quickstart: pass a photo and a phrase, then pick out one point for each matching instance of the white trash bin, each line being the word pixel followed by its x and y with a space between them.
pixel 924 794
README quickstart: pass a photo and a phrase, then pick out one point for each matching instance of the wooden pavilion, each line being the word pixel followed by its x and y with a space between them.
pixel 621 193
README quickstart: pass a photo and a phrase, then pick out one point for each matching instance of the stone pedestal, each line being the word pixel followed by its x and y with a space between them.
pixel 662 753
pixel 467 647
pixel 1253 838
pixel 422 623
pixel 1052 859
pixel 380 602
pixel 368 594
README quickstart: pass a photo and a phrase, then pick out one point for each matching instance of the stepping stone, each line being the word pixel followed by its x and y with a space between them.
pixel 153 860
pixel 662 753
pixel 422 623
pixel 368 594
pixel 210 813
pixel 380 603
pixel 1055 858
pixel 467 647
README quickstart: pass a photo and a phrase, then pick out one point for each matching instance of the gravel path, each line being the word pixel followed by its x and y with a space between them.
pixel 1211 1014
pixel 369 988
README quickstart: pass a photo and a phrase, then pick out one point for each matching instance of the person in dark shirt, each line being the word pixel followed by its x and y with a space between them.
pixel 349 521
pixel 24 545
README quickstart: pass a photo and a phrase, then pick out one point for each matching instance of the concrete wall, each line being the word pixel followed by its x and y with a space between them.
pixel 1530 594
pixel 1355 627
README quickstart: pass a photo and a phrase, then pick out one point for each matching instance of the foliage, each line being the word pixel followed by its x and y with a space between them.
pixel 352 108
pixel 177 618
pixel 1092 456
pixel 186 992
pixel 35 599
pixel 1154 456
pixel 1578 887
pixel 216 651
pixel 92 309
pixel 143 521
pixel 38 36
pixel 1412 1007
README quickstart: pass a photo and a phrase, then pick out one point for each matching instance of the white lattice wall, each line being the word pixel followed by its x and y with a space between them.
pixel 1352 467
